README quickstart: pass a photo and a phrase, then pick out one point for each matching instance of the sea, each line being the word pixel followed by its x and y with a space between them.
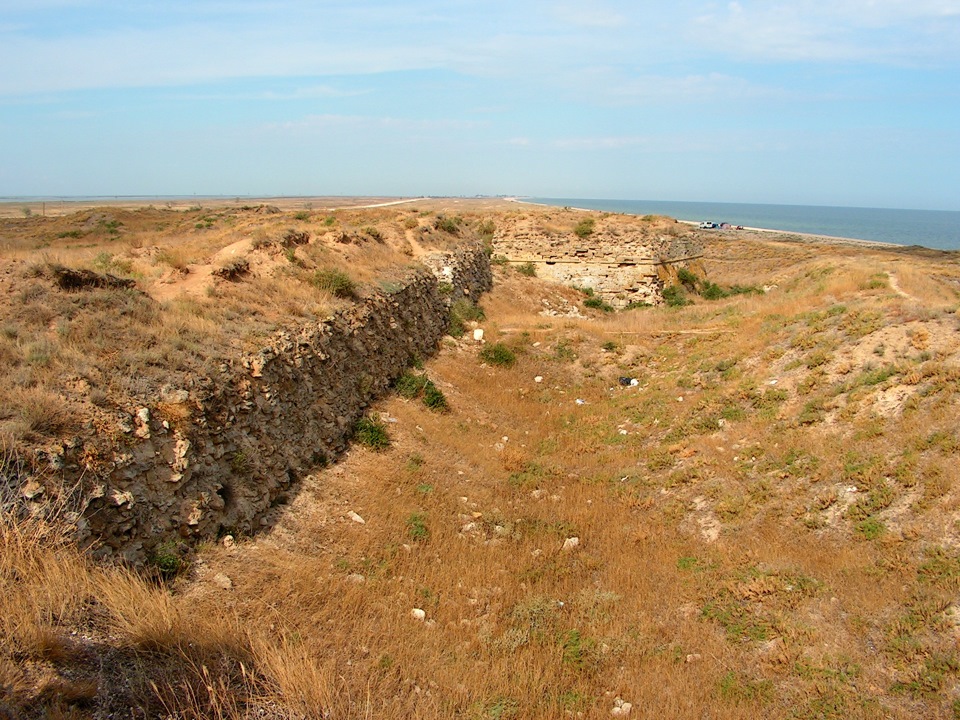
pixel 937 229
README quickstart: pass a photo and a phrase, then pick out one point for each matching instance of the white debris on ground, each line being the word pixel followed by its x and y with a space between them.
pixel 621 708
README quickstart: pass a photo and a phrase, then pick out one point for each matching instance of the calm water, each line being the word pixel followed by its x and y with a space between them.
pixel 939 229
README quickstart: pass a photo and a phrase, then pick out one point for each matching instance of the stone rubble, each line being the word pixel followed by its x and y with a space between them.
pixel 246 436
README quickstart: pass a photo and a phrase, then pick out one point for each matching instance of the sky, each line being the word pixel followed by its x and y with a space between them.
pixel 837 102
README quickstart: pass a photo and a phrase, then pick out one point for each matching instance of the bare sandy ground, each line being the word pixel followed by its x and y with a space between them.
pixel 57 207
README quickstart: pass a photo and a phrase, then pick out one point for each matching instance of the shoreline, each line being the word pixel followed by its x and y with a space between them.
pixel 792 234
pixel 806 237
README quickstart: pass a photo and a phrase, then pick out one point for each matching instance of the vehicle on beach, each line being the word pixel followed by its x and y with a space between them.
pixel 707 225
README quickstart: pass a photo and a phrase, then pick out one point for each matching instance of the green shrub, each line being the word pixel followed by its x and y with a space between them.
pixel 597 303
pixel 687 278
pixel 487 229
pixel 461 312
pixel 335 282
pixel 584 228
pixel 674 296
pixel 448 224
pixel 712 291
pixel 498 354
pixel 168 559
pixel 410 385
pixel 372 434
pixel 434 398
pixel 528 269
pixel 302 215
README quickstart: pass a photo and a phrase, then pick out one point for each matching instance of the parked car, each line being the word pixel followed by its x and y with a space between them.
pixel 707 225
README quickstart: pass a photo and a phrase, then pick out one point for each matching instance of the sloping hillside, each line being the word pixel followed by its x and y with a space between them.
pixel 739 507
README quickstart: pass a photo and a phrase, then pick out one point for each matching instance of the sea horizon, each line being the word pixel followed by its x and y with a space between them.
pixel 935 229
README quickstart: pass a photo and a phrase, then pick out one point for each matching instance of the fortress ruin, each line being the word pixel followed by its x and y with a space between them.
pixel 623 262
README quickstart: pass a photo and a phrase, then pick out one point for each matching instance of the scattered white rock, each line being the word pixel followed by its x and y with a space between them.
pixel 478 334
pixel 418 614
pixel 623 432
pixel 680 399
pixel 222 581
pixel 621 708
pixel 143 423
pixel 356 578
pixel 694 657
pixel 228 541
pixel 356 518
pixel 571 543
pixel 121 498
pixel 581 401
pixel 538 379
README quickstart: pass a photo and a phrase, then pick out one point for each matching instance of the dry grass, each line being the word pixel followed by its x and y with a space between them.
pixel 767 527
pixel 123 346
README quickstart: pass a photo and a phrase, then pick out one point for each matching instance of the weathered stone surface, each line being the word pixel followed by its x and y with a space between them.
pixel 265 420
pixel 621 265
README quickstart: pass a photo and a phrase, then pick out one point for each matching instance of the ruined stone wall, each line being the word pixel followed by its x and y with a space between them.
pixel 216 459
pixel 621 265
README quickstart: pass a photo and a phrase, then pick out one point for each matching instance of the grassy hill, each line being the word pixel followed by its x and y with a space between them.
pixel 764 524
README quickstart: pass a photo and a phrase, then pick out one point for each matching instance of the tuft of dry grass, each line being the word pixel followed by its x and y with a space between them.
pixel 765 523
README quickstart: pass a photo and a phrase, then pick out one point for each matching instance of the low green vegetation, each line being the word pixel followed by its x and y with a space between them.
pixel 372 434
pixel 498 354
pixel 463 311
pixel 528 269
pixel 584 228
pixel 336 282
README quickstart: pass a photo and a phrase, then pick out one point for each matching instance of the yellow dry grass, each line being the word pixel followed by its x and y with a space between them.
pixel 766 526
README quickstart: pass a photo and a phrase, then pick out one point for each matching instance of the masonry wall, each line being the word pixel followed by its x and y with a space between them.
pixel 218 459
pixel 621 266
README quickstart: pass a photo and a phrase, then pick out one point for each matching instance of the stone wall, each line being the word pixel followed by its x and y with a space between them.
pixel 622 264
pixel 216 459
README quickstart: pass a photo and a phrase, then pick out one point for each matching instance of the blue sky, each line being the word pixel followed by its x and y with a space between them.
pixel 846 102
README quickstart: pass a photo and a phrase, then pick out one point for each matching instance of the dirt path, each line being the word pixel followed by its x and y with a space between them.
pixel 895 286
pixel 198 277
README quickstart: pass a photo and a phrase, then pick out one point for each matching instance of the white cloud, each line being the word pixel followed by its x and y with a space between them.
pixel 369 123
pixel 886 31
pixel 708 87
pixel 589 15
